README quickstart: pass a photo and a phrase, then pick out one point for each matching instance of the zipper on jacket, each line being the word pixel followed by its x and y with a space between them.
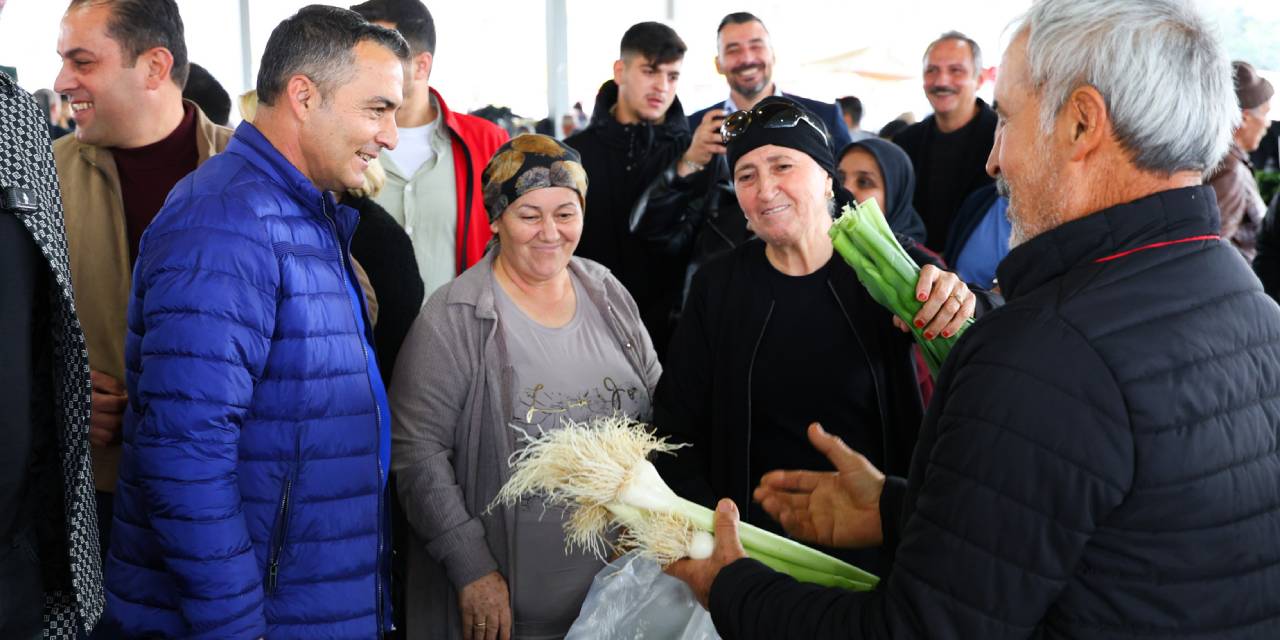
pixel 468 200
pixel 278 534
pixel 875 382
pixel 377 409
pixel 751 367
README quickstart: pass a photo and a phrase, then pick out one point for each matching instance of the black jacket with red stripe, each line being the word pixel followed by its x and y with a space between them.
pixel 1100 460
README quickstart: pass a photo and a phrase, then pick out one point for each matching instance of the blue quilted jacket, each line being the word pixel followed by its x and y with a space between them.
pixel 249 501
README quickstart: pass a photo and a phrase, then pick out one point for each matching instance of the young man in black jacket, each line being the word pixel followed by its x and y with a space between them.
pixel 637 129
pixel 1099 460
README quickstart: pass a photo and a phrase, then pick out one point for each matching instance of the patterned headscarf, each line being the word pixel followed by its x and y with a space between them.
pixel 528 162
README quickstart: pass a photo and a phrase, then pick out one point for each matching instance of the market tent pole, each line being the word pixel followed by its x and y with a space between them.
pixel 246 49
pixel 557 63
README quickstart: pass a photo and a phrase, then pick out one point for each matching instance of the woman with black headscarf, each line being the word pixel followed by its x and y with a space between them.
pixel 875 168
pixel 778 333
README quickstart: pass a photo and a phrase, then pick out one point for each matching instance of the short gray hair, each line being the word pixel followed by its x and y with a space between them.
pixel 1158 64
pixel 974 50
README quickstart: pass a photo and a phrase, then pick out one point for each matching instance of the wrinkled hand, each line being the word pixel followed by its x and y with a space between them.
pixel 706 143
pixel 701 574
pixel 486 609
pixel 948 302
pixel 838 508
pixel 106 409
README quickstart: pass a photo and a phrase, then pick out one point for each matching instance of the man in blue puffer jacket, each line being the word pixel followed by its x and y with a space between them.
pixel 257 434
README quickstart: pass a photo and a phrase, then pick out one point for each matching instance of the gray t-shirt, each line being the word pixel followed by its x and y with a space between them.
pixel 576 371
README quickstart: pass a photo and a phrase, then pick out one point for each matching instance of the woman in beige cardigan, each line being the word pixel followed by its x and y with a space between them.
pixel 528 336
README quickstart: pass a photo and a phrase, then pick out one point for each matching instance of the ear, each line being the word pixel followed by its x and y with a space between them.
pixel 158 64
pixel 987 75
pixel 719 69
pixel 1084 122
pixel 618 66
pixel 302 95
pixel 422 66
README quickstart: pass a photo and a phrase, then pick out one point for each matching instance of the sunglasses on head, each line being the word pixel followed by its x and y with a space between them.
pixel 774 115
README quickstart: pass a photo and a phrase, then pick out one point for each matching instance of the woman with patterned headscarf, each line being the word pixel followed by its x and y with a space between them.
pixel 527 337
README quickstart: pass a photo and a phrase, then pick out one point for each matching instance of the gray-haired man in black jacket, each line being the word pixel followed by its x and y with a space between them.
pixel 1100 457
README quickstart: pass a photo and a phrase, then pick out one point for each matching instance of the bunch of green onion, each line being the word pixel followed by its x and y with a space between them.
pixel 600 473
pixel 863 238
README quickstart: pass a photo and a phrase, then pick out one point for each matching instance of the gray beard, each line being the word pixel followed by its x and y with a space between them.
pixel 1023 229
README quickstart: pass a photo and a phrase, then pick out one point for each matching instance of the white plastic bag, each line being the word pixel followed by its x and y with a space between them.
pixel 632 599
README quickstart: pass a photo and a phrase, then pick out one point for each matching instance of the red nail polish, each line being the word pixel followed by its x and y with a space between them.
pixel 928 335
pixel 946 334
pixel 919 324
pixel 922 296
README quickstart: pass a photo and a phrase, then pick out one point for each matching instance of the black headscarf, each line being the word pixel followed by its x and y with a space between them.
pixel 802 137
pixel 899 185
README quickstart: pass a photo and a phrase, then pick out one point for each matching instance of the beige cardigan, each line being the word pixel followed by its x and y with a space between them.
pixel 450 441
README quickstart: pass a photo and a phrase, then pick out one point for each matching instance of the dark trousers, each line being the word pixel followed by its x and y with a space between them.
pixel 21 589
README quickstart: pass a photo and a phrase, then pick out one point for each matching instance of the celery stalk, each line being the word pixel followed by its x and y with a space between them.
pixel 863 238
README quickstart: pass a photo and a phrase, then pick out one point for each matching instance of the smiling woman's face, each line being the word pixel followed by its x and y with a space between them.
pixel 782 192
pixel 538 233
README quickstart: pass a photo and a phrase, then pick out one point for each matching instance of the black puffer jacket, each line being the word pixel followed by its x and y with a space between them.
pixel 1100 460
pixel 621 160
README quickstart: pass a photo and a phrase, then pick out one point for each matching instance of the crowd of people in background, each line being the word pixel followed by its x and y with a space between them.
pixel 267 381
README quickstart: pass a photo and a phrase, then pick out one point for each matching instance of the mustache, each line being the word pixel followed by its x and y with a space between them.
pixel 748 66
pixel 1002 187
pixel 942 91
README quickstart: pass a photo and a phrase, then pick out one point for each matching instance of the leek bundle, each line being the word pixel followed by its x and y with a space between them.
pixel 863 238
pixel 600 473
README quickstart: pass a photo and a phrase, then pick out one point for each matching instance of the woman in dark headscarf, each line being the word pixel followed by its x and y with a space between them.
pixel 875 168
pixel 778 333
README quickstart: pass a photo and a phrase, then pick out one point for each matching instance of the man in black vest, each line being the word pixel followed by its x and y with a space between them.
pixel 949 148
pixel 50 576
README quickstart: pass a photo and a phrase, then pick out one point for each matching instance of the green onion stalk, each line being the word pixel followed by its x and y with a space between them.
pixel 601 474
pixel 863 238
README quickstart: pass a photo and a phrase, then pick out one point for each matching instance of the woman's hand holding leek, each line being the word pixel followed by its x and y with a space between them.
pixel 948 303
pixel 934 301
pixel 838 508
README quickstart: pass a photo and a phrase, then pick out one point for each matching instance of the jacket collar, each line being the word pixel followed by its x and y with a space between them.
pixel 249 143
pixel 673 124
pixel 983 110
pixel 206 145
pixel 1241 156
pixel 449 118
pixel 1167 216
pixel 475 286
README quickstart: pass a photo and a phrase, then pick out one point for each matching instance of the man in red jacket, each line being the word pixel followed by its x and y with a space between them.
pixel 433 175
